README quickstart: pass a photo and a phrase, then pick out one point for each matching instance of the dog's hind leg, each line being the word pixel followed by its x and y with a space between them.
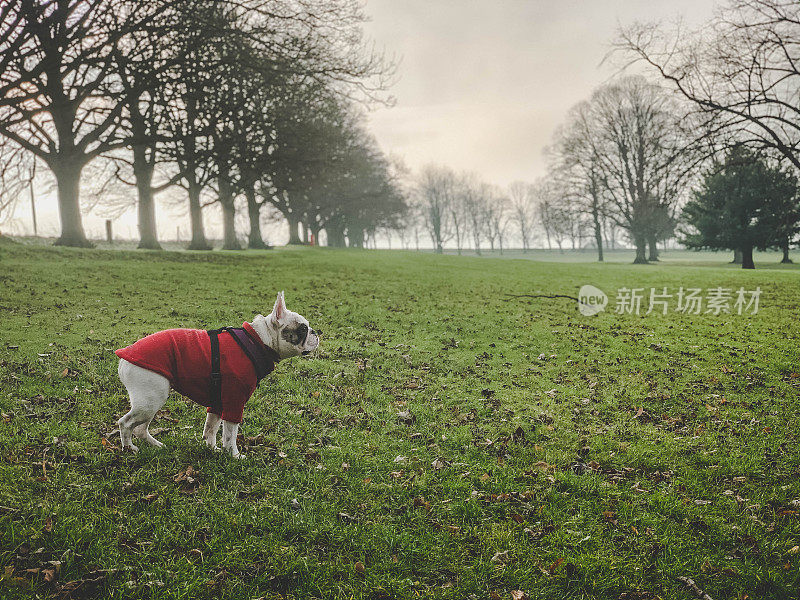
pixel 210 430
pixel 229 433
pixel 148 391
pixel 140 432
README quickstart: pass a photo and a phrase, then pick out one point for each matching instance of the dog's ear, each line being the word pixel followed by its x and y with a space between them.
pixel 279 310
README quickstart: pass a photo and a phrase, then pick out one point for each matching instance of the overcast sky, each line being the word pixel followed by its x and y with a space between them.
pixel 481 85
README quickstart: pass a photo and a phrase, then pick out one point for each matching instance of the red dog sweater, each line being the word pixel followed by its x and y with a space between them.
pixel 183 356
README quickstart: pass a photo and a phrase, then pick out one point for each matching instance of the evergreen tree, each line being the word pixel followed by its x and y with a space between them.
pixel 744 204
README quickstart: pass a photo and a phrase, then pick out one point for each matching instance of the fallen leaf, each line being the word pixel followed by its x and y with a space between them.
pixel 519 595
pixel 86 587
pixel 51 573
pixel 360 569
pixel 439 464
pixel 552 568
pixel 296 504
pixel 406 417
pixel 500 557
pixel 419 501
pixel 196 554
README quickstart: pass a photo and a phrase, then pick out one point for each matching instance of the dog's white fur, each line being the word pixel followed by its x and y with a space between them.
pixel 148 390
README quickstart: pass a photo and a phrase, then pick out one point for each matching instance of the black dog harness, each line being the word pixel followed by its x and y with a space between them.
pixel 262 356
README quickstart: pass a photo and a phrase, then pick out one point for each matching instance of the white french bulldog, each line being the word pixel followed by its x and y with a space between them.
pixel 181 359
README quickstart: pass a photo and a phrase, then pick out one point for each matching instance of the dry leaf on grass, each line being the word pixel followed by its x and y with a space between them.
pixel 406 417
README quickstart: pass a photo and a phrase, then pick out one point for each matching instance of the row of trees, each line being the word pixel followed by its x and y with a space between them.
pixel 465 212
pixel 227 99
pixel 709 157
pixel 622 161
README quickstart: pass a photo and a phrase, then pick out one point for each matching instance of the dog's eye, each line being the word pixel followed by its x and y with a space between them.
pixel 302 331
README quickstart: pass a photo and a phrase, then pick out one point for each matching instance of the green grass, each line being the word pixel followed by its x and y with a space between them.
pixel 637 450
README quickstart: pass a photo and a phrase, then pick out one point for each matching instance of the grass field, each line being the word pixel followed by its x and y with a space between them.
pixel 561 455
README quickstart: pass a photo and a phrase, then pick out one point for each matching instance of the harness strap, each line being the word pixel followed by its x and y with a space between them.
pixel 263 359
pixel 216 375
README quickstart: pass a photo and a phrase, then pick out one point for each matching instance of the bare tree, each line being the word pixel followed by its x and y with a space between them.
pixel 17 172
pixel 473 201
pixel 522 210
pixel 558 217
pixel 459 212
pixel 742 70
pixel 577 166
pixel 497 219
pixel 436 193
pixel 645 156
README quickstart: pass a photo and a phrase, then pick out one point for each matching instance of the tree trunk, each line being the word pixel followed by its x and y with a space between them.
pixel 143 171
pixel 598 236
pixel 254 239
pixel 335 237
pixel 355 237
pixel 785 247
pixel 68 178
pixel 199 241
pixel 226 200
pixel 294 238
pixel 747 258
pixel 641 251
pixel 315 234
pixel 651 242
pixel 737 257
pixel 304 229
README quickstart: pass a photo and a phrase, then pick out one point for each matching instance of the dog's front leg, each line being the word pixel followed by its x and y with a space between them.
pixel 210 430
pixel 229 433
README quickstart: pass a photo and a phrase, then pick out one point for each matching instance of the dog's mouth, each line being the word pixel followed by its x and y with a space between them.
pixel 305 352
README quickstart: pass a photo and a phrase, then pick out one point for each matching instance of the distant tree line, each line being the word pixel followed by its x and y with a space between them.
pixel 251 103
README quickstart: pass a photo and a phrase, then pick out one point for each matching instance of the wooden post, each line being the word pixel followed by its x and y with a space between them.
pixel 109 235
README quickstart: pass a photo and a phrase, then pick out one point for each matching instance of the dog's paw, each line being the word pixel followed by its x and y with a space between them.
pixel 130 448
pixel 239 456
